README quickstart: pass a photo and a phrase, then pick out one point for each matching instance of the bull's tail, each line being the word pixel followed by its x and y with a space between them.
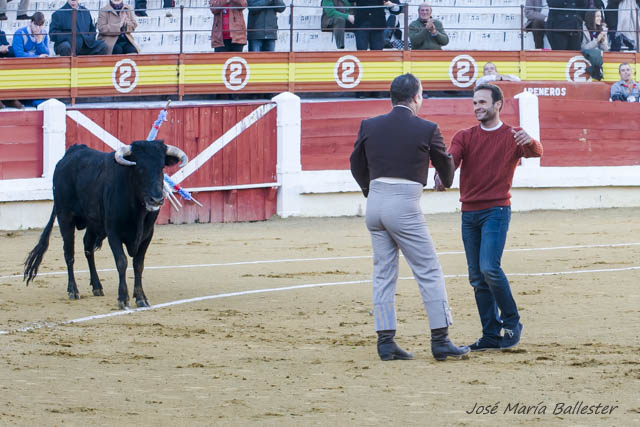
pixel 34 258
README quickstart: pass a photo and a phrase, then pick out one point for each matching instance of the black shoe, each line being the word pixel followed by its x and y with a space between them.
pixel 485 344
pixel 511 337
pixel 388 349
pixel 1 105
pixel 442 347
pixel 3 17
pixel 141 13
pixel 21 17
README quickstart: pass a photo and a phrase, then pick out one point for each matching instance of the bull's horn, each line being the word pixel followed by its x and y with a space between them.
pixel 121 152
pixel 176 152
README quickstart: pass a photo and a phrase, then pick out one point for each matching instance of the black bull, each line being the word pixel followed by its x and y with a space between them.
pixel 113 195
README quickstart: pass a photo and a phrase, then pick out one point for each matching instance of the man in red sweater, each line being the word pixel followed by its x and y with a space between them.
pixel 488 154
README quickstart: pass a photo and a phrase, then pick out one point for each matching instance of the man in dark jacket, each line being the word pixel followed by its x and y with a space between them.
pixel 262 29
pixel 60 31
pixel 370 23
pixel 390 162
pixel 565 22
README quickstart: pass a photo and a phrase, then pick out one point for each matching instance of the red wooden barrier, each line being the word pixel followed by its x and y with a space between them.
pixel 329 129
pixel 21 144
pixel 596 133
pixel 249 159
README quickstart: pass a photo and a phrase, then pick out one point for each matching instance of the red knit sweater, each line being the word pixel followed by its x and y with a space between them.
pixel 489 160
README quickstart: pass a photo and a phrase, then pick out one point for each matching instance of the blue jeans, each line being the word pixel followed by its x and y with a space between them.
pixel 484 234
pixel 262 45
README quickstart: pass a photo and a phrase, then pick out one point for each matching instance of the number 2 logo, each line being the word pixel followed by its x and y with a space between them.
pixel 348 72
pixel 125 76
pixel 576 70
pixel 235 73
pixel 463 70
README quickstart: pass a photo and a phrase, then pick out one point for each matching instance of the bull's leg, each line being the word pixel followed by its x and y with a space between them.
pixel 67 229
pixel 89 249
pixel 121 265
pixel 138 268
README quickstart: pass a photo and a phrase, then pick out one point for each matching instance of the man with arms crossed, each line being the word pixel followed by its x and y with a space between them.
pixel 390 162
pixel 489 153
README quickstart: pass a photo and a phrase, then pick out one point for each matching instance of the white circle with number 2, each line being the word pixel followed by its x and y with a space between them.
pixel 347 72
pixel 577 70
pixel 235 64
pixel 466 70
pixel 128 71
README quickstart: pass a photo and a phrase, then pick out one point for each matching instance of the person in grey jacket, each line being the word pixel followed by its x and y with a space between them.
pixel 594 32
pixel 262 29
pixel 536 13
pixel 625 89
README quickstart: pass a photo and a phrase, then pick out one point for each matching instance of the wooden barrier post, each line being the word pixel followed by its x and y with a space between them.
pixel 289 167
pixel 54 130
pixel 529 121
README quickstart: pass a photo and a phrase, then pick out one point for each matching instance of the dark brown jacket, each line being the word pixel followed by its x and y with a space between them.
pixel 399 145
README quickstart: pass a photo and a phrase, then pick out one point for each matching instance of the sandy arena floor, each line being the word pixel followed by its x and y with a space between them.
pixel 306 356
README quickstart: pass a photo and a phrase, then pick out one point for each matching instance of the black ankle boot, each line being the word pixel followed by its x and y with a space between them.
pixel 442 347
pixel 388 349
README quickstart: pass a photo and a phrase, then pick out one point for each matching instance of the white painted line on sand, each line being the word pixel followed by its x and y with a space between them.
pixel 276 261
pixel 286 288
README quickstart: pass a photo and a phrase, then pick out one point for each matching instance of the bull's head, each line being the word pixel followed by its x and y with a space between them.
pixel 148 159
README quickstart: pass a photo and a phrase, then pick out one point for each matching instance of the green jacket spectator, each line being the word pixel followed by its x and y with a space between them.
pixel 337 16
pixel 426 33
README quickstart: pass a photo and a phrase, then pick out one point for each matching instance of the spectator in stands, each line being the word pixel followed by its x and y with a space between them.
pixel 32 41
pixel 263 24
pixel 426 33
pixel 611 18
pixel 626 25
pixel 337 16
pixel 392 31
pixel 370 24
pixel 490 74
pixel 60 31
pixel 594 32
pixel 6 51
pixel 625 89
pixel 229 31
pixel 565 23
pixel 23 7
pixel 536 13
pixel 141 7
pixel 116 22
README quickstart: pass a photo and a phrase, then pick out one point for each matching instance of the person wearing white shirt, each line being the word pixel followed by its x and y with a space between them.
pixel 490 74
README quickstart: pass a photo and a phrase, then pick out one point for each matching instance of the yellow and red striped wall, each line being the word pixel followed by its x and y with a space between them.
pixel 208 73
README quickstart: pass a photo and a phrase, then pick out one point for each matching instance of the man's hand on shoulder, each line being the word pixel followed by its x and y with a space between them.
pixel 521 137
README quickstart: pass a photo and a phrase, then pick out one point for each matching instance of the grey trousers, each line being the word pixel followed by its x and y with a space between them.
pixel 395 221
pixel 22 7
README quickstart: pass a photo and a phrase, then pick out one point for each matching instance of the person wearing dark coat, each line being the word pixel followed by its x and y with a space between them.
pixel 390 163
pixel 565 23
pixel 370 23
pixel 60 31
pixel 6 51
pixel 262 29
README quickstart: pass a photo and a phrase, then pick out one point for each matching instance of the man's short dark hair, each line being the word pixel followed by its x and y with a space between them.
pixel 496 92
pixel 404 88
pixel 38 18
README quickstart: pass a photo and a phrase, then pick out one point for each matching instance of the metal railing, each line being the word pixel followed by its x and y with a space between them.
pixel 299 11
